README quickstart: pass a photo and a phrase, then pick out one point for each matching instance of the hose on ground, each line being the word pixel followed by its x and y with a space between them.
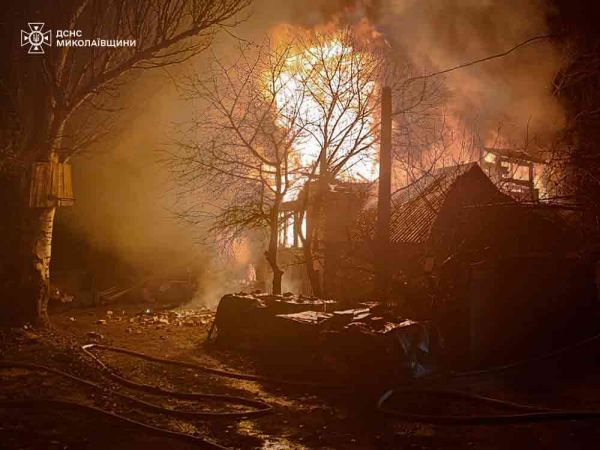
pixel 259 407
pixel 534 413
pixel 531 413
pixel 517 364
pixel 206 369
pixel 528 412
pixel 198 441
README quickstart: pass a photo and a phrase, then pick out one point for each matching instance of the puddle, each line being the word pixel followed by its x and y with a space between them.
pixel 248 428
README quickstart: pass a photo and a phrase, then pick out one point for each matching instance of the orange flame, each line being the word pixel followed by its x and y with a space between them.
pixel 299 93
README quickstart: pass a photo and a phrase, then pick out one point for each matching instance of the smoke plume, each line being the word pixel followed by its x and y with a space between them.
pixel 512 94
pixel 124 193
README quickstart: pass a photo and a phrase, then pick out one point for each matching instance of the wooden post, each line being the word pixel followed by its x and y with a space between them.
pixel 384 196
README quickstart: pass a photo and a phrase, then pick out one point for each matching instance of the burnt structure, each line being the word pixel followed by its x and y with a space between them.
pixel 500 277
pixel 506 279
pixel 513 170
pixel 330 222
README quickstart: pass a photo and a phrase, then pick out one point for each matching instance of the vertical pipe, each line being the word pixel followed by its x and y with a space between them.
pixel 384 194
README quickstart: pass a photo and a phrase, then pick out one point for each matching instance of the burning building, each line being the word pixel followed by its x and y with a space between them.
pixel 513 170
pixel 326 225
pixel 422 247
pixel 487 268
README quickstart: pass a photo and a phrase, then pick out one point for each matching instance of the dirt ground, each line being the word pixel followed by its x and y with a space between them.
pixel 303 418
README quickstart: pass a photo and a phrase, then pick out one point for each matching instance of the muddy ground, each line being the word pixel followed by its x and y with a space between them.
pixel 303 418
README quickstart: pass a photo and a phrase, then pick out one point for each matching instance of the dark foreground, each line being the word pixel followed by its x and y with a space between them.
pixel 311 418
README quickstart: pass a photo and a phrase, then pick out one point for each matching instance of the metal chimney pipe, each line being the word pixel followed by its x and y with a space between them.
pixel 384 198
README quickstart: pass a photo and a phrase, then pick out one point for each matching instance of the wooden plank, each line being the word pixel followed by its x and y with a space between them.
pixel 40 187
pixel 64 192
pixel 51 185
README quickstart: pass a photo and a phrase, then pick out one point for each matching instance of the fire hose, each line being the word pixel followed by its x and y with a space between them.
pixel 527 413
pixel 52 403
pixel 524 362
pixel 259 407
pixel 207 369
pixel 533 414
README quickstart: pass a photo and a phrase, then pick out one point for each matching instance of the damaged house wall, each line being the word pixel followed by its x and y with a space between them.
pixel 485 267
pixel 341 207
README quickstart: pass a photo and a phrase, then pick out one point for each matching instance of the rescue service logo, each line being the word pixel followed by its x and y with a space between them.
pixel 36 38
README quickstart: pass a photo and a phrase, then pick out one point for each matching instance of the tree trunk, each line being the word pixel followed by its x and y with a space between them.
pixel 316 232
pixel 308 241
pixel 277 279
pixel 311 272
pixel 35 246
pixel 32 254
pixel 271 253
pixel 36 250
pixel 25 255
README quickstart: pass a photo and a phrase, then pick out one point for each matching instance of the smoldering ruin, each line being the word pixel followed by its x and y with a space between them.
pixel 360 224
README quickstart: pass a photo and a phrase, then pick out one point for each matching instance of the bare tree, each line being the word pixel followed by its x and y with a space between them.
pixel 238 149
pixel 50 94
pixel 279 117
pixel 339 78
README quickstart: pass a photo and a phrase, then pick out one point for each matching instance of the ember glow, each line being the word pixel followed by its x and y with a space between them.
pixel 324 93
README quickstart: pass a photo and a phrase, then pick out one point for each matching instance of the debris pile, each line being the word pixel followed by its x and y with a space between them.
pixel 367 336
pixel 158 319
pixel 177 318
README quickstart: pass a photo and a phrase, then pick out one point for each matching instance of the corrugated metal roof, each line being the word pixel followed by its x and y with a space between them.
pixel 415 208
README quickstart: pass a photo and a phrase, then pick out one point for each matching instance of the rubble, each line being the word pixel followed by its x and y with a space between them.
pixel 177 318
pixel 368 336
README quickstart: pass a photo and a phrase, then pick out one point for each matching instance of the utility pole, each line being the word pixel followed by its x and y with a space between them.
pixel 384 198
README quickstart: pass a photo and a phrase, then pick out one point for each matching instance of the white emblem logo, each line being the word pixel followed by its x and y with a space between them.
pixel 36 38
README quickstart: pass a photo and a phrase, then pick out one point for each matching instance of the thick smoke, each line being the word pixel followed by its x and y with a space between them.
pixel 123 197
pixel 124 193
pixel 512 94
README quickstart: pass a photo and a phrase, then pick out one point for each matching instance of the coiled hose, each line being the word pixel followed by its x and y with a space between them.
pixel 258 407
pixel 528 412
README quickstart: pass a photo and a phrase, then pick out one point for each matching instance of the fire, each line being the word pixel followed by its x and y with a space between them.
pixel 325 92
